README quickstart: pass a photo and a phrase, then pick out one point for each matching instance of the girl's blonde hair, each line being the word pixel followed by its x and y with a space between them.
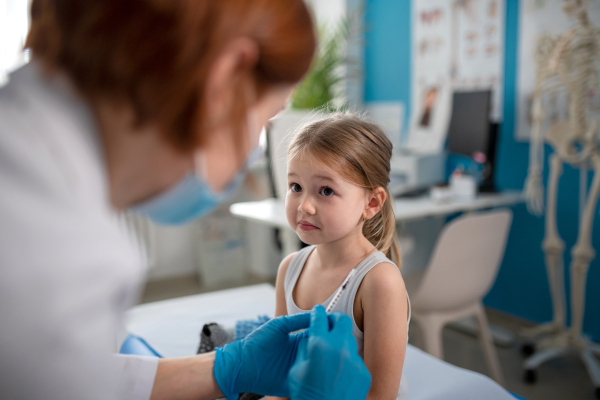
pixel 359 152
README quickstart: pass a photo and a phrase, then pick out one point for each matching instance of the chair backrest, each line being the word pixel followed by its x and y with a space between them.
pixel 465 261
pixel 279 135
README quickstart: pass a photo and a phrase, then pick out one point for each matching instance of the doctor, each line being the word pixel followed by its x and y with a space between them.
pixel 153 106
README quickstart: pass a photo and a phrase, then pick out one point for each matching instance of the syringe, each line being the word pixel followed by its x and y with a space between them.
pixel 338 294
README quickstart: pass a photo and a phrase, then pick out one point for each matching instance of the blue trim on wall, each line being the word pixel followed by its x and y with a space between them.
pixel 388 52
pixel 521 288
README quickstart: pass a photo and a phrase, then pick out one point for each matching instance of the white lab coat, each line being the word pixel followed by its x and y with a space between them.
pixel 67 271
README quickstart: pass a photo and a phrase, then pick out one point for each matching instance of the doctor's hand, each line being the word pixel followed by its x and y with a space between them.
pixel 260 363
pixel 328 365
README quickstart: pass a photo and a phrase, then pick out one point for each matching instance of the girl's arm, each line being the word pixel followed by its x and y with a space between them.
pixel 280 307
pixel 385 313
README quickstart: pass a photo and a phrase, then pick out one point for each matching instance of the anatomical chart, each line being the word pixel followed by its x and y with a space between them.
pixel 457 46
pixel 477 56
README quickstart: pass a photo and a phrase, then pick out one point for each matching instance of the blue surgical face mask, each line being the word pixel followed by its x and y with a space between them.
pixel 190 198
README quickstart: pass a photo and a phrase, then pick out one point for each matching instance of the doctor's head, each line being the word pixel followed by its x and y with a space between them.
pixel 204 74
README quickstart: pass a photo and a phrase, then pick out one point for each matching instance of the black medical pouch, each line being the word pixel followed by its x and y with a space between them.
pixel 214 335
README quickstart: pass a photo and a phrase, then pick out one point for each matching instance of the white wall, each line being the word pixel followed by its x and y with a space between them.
pixel 173 252
pixel 328 14
pixel 14 23
pixel 328 11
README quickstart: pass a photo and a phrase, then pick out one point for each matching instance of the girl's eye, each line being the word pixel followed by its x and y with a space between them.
pixel 295 187
pixel 326 191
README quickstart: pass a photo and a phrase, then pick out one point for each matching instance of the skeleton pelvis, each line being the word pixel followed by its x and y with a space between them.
pixel 559 138
pixel 570 146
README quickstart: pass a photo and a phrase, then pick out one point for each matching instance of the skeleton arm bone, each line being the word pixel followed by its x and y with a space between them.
pixel 534 191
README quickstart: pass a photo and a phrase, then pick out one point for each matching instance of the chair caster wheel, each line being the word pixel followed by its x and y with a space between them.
pixel 527 349
pixel 530 376
pixel 598 392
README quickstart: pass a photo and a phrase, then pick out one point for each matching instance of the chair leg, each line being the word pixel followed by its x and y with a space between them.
pixel 431 328
pixel 488 346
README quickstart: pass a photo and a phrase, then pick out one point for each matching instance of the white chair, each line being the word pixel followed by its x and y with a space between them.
pixel 462 269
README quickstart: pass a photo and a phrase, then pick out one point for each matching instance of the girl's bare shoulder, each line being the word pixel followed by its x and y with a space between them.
pixel 383 279
pixel 285 263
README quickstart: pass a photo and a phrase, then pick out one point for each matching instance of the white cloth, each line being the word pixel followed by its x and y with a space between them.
pixel 172 326
pixel 434 379
pixel 345 303
pixel 67 270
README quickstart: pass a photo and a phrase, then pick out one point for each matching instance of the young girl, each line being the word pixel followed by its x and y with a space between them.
pixel 337 201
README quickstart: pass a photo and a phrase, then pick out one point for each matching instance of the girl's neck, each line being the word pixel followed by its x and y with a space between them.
pixel 345 252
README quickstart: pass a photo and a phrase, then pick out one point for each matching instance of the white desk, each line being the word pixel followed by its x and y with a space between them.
pixel 272 211
pixel 421 207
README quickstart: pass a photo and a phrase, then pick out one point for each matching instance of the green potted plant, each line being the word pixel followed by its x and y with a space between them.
pixel 321 90
pixel 321 85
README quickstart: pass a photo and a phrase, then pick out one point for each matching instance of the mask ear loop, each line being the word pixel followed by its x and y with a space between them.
pixel 200 159
pixel 254 129
pixel 201 165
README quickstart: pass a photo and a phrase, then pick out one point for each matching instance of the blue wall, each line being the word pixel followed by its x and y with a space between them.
pixel 522 286
pixel 387 52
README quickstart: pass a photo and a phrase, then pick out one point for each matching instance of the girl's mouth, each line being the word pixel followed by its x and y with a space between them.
pixel 305 226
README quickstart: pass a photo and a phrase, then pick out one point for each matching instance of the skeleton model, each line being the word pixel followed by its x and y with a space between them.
pixel 570 63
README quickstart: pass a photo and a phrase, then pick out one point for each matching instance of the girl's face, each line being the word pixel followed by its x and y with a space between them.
pixel 320 206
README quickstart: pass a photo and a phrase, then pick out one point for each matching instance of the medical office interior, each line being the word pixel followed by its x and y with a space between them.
pixel 480 121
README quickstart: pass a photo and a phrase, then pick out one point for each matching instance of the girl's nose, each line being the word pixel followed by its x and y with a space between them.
pixel 306 205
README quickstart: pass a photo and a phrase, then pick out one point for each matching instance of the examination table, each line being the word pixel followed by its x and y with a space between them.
pixel 171 328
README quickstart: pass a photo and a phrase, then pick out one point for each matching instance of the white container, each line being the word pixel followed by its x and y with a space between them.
pixel 220 248
pixel 441 194
pixel 463 187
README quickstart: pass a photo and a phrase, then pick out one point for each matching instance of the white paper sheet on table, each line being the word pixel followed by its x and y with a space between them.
pixel 178 333
pixel 432 379
pixel 173 327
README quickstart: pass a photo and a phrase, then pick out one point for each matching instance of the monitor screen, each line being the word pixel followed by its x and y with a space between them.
pixel 469 128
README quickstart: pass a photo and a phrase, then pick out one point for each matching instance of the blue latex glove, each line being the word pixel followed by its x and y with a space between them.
pixel 328 366
pixel 260 362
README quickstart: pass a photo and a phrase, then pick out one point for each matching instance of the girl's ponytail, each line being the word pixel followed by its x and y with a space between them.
pixel 381 231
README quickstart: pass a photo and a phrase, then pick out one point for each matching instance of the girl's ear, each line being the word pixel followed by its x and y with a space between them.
pixel 376 199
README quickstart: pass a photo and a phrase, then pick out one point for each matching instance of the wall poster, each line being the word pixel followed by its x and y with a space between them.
pixel 457 45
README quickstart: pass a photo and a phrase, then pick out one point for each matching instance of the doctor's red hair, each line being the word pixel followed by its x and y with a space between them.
pixel 155 54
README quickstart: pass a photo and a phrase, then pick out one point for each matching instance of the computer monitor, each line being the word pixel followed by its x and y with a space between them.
pixel 469 130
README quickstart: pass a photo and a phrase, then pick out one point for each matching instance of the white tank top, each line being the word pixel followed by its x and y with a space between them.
pixel 346 302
